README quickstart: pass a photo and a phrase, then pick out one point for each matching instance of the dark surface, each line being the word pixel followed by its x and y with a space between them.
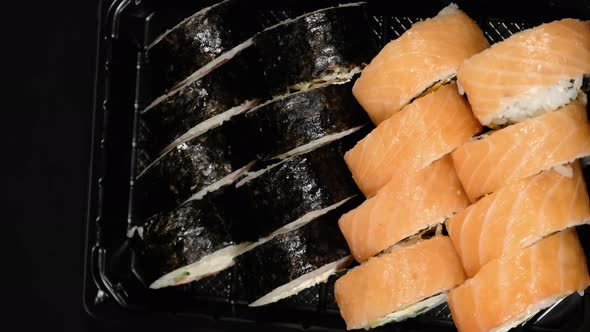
pixel 294 254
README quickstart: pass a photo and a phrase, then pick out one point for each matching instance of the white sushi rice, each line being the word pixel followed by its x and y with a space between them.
pixel 318 143
pixel 228 179
pixel 208 265
pixel 305 281
pixel 537 101
pixel 450 9
pixel 209 124
pixel 410 311
pixel 565 170
pixel 529 313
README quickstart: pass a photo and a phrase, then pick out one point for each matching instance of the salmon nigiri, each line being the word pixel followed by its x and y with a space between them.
pixel 421 133
pixel 523 149
pixel 400 284
pixel 403 208
pixel 518 215
pixel 508 291
pixel 532 72
pixel 428 53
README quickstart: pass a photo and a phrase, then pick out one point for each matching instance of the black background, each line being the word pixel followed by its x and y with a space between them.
pixel 48 77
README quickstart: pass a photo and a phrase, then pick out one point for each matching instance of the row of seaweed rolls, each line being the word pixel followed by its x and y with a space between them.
pixel 404 169
pixel 516 242
pixel 250 179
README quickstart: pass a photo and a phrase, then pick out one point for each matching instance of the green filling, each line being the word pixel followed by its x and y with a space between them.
pixel 182 276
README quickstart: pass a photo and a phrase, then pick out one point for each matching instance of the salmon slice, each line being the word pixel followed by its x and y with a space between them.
pixel 508 291
pixel 421 133
pixel 532 72
pixel 518 215
pixel 398 282
pixel 403 208
pixel 429 52
pixel 523 149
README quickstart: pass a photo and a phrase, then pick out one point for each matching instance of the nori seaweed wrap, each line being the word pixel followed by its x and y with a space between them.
pixel 208 36
pixel 301 119
pixel 293 261
pixel 202 164
pixel 325 45
pixel 235 86
pixel 186 244
pixel 322 46
pixel 291 191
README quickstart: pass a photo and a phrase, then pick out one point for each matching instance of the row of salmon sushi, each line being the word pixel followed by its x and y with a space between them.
pixel 252 174
pixel 422 167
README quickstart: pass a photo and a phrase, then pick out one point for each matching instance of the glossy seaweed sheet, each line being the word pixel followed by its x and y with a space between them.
pixel 314 46
pixel 235 83
pixel 317 45
pixel 289 190
pixel 276 128
pixel 189 168
pixel 200 39
pixel 207 34
pixel 291 255
pixel 180 237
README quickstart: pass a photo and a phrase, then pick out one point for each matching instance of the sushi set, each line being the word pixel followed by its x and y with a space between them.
pixel 336 165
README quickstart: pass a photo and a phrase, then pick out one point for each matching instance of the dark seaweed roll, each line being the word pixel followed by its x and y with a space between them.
pixel 302 120
pixel 192 169
pixel 295 260
pixel 293 191
pixel 325 45
pixel 213 35
pixel 200 39
pixel 186 244
pixel 230 89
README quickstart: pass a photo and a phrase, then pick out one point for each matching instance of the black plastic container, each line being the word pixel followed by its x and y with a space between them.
pixel 112 289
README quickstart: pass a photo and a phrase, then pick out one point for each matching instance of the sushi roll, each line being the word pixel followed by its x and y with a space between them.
pixel 211 36
pixel 186 244
pixel 403 283
pixel 523 149
pixel 404 208
pixel 518 215
pixel 426 55
pixel 203 164
pixel 528 74
pixel 295 260
pixel 507 292
pixel 291 192
pixel 327 45
pixel 203 104
pixel 198 40
pixel 424 131
pixel 302 120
